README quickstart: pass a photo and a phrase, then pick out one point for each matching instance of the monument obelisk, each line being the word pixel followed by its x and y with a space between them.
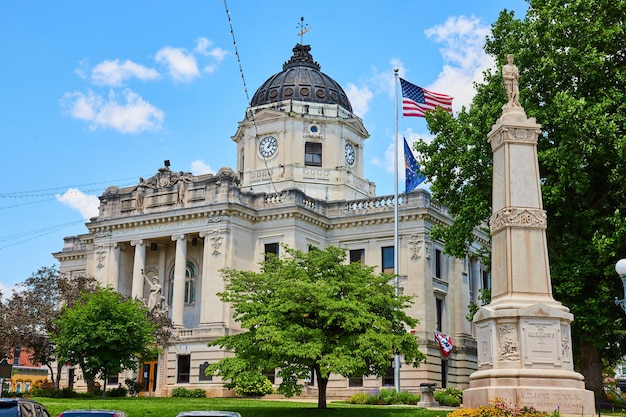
pixel 524 338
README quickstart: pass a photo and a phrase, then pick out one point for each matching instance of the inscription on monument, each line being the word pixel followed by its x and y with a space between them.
pixel 551 400
pixel 542 340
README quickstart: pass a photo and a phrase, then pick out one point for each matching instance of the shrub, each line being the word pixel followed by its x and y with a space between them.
pixel 449 397
pixel 255 387
pixel 117 392
pixel 359 398
pixel 407 397
pixel 499 408
pixel 182 392
pixel 385 397
pixel 54 393
pixel 133 386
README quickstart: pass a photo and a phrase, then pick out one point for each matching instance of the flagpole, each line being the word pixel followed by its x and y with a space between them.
pixel 396 359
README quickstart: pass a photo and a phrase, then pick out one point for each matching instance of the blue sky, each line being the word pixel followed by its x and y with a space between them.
pixel 98 93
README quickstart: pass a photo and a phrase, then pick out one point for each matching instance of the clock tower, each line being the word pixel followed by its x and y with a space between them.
pixel 300 132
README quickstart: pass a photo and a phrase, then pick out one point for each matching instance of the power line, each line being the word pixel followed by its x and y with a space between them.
pixel 35 234
pixel 245 87
pixel 55 190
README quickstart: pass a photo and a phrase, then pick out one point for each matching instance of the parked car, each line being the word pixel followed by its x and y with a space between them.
pixel 22 407
pixel 92 413
pixel 209 413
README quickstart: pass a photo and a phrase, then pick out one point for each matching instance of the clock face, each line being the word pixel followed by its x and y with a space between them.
pixel 268 146
pixel 350 154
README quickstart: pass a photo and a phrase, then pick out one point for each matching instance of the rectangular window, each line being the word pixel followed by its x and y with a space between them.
pixel 355 381
pixel 190 291
pixel 388 259
pixel 485 279
pixel 388 379
pixel 271 248
pixel 184 366
pixel 270 374
pixel 439 310
pixel 313 154
pixel 438 261
pixel 357 255
pixel 113 379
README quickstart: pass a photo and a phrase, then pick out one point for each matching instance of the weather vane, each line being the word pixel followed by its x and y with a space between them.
pixel 304 28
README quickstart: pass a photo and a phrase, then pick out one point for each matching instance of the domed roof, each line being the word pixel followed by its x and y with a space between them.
pixel 302 80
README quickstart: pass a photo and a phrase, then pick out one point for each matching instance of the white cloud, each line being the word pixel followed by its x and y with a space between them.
pixel 202 48
pixel 131 115
pixel 86 205
pixel 114 72
pixel 182 66
pixel 463 39
pixel 198 167
pixel 359 98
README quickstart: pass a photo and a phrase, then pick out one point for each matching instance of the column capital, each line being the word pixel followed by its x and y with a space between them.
pixel 178 237
pixel 139 242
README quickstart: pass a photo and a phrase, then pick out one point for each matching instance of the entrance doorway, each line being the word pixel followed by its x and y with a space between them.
pixel 148 376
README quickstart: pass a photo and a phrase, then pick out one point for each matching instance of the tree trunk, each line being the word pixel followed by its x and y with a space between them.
pixel 52 378
pixel 591 368
pixel 321 389
pixel 57 381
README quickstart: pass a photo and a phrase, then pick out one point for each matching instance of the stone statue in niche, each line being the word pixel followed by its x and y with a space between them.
pixel 154 299
pixel 510 74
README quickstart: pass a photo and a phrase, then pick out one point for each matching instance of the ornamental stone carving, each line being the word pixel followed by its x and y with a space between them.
pixel 415 246
pixel 508 348
pixel 513 217
pixel 517 135
pixel 100 257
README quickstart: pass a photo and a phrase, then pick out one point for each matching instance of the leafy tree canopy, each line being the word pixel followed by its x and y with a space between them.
pixel 31 312
pixel 310 311
pixel 572 65
pixel 104 333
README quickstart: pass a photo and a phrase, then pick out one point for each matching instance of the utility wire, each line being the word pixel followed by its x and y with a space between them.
pixel 245 87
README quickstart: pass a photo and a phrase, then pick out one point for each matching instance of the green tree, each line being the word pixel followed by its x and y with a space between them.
pixel 32 311
pixel 310 311
pixel 573 81
pixel 104 333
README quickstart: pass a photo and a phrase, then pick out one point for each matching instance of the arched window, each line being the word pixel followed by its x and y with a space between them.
pixel 190 284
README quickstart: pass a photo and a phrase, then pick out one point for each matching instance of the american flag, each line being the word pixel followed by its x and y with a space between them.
pixel 416 100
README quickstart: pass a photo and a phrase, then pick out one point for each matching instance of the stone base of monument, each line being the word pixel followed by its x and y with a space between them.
pixel 525 359
pixel 568 396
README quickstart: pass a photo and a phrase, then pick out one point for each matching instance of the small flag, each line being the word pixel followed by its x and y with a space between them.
pixel 416 100
pixel 413 175
pixel 445 343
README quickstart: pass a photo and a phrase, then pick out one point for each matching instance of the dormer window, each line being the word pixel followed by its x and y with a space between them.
pixel 313 154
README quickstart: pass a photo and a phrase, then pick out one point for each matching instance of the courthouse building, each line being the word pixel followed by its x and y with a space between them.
pixel 298 181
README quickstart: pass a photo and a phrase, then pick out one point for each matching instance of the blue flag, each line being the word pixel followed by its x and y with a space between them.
pixel 413 175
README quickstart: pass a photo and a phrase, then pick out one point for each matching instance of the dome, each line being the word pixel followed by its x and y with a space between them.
pixel 302 80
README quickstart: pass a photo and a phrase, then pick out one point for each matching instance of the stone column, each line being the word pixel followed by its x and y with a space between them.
pixel 139 264
pixel 524 341
pixel 113 270
pixel 180 269
pixel 211 309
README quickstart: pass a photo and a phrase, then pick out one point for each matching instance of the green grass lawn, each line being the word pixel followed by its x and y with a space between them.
pixel 169 407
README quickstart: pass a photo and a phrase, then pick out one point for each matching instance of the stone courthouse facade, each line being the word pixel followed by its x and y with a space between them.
pixel 298 181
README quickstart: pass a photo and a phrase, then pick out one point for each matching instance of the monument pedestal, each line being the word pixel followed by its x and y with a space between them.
pixel 525 359
pixel 523 335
